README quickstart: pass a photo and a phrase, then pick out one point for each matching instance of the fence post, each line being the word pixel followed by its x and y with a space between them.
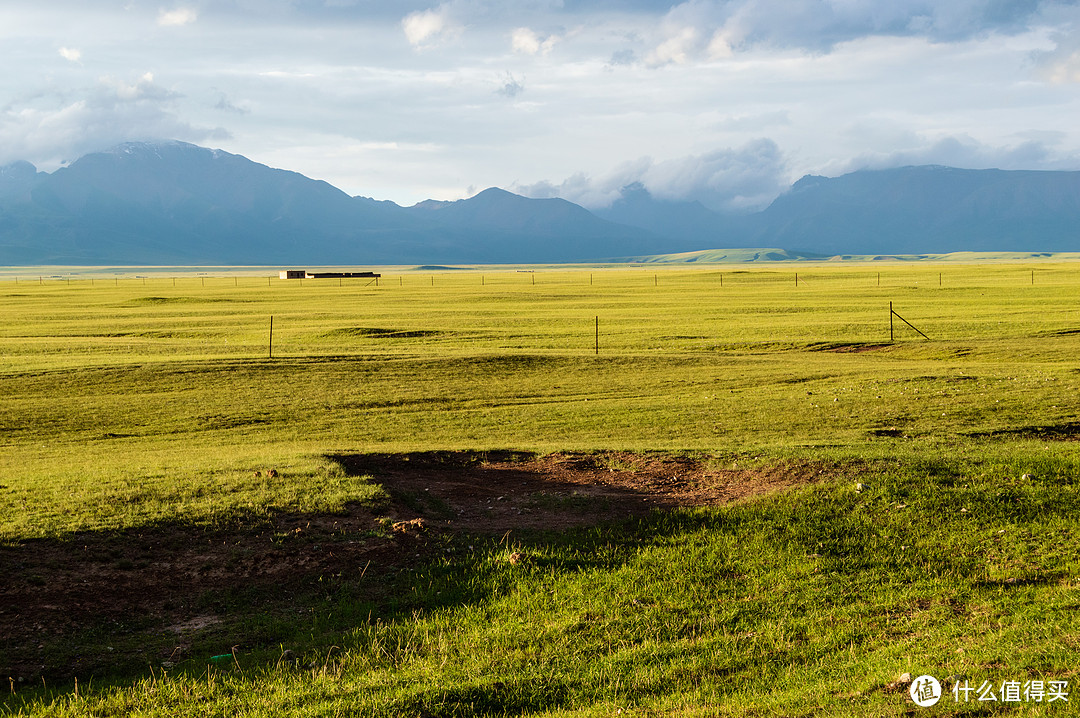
pixel 598 336
pixel 271 336
pixel 905 321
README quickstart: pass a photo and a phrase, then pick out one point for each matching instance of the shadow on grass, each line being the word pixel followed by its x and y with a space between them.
pixel 119 603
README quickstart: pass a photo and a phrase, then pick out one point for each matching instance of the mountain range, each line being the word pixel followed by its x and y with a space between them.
pixel 175 203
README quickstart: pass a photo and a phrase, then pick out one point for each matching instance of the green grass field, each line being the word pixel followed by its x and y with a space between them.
pixel 137 404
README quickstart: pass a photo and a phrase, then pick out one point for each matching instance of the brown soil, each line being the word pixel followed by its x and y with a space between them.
pixel 166 582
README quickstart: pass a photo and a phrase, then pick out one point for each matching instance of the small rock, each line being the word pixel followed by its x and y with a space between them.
pixel 900 684
pixel 404 526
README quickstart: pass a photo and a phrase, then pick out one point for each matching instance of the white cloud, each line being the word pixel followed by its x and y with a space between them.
pixel 720 46
pixel 1060 65
pixel 177 17
pixel 679 48
pixel 142 89
pixel 1035 151
pixel 60 128
pixel 1064 70
pixel 731 180
pixel 70 54
pixel 821 25
pixel 428 27
pixel 527 42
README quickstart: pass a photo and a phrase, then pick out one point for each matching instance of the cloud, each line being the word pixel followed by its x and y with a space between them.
pixel 177 17
pixel 70 54
pixel 511 87
pixel 625 56
pixel 428 27
pixel 701 30
pixel 749 123
pixel 730 180
pixel 49 130
pixel 1034 151
pixel 227 105
pixel 680 46
pixel 1061 64
pixel 526 42
pixel 1063 68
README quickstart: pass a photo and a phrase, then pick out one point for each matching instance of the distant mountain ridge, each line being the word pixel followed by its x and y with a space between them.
pixel 176 203
pixel 926 209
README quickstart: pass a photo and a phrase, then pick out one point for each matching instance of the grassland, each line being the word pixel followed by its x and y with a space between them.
pixel 144 405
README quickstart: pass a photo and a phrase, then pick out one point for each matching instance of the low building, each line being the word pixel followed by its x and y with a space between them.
pixel 305 274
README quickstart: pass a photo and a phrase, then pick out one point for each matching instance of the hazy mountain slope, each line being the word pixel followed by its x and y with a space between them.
pixel 171 202
pixel 689 225
pixel 505 227
pixel 913 210
pixel 18 179
pixel 176 203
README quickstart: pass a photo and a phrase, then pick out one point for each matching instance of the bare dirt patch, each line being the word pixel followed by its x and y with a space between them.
pixel 154 590
pixel 500 491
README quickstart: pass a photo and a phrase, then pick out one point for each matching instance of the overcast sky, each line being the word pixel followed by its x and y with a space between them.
pixel 724 101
